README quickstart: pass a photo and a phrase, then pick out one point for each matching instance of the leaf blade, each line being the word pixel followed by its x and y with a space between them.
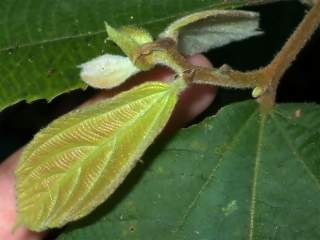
pixel 80 159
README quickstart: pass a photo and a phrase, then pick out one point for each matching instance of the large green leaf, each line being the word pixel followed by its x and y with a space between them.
pixel 42 41
pixel 239 175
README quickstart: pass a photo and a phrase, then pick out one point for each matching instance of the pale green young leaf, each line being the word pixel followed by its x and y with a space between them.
pixel 202 31
pixel 74 164
pixel 129 38
pixel 140 35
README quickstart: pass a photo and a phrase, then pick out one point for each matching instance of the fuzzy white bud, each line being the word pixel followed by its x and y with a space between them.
pixel 107 71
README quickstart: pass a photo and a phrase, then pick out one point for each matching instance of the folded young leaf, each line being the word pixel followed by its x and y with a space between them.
pixel 107 71
pixel 140 35
pixel 128 38
pixel 202 31
pixel 74 164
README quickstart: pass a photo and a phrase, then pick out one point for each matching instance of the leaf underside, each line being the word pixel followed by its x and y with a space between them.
pixel 205 35
pixel 42 42
pixel 75 163
pixel 202 31
pixel 239 175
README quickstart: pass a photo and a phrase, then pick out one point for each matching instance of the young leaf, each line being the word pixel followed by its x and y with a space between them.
pixel 129 38
pixel 202 31
pixel 75 163
pixel 140 35
pixel 107 71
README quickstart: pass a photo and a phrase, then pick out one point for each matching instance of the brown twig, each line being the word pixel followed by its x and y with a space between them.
pixel 289 52
pixel 264 81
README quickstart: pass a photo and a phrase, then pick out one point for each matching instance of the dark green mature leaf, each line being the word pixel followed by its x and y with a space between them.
pixel 42 41
pixel 239 175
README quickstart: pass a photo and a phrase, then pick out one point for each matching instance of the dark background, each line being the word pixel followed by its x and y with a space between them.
pixel 20 122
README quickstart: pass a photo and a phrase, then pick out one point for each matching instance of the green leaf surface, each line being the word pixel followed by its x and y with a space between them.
pixel 42 41
pixel 77 162
pixel 239 175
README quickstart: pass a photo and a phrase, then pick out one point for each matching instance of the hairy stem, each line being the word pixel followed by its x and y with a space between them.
pixel 264 81
pixel 228 77
pixel 289 52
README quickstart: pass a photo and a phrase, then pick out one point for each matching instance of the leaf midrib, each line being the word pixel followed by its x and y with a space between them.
pixel 257 162
pixel 181 222
pixel 70 128
pixel 123 131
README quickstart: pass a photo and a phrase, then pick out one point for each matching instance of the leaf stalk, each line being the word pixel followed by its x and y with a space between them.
pixel 263 81
pixel 289 52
